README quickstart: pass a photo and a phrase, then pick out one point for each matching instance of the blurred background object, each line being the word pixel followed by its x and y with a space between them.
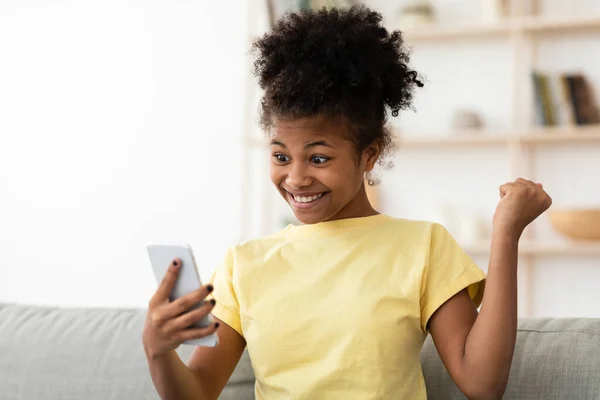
pixel 494 11
pixel 149 132
pixel 577 224
pixel 276 8
pixel 415 13
pixel 463 120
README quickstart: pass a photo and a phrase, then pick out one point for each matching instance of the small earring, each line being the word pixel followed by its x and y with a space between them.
pixel 370 182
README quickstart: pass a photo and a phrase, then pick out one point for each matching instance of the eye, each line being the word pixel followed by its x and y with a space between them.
pixel 319 160
pixel 281 158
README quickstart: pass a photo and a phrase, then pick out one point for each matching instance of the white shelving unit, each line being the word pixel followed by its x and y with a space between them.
pixel 522 30
pixel 516 25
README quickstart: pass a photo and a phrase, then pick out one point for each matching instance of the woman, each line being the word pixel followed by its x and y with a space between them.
pixel 339 307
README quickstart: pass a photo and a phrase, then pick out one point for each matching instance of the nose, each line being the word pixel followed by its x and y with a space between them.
pixel 298 176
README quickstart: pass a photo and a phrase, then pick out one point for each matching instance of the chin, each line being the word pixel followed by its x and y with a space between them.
pixel 309 219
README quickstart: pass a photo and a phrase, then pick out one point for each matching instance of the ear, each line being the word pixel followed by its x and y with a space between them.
pixel 371 154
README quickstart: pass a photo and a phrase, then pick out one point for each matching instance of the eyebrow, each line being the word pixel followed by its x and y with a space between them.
pixel 308 145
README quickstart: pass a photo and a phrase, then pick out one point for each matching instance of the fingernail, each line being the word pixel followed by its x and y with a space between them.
pixel 210 288
pixel 212 301
pixel 217 325
pixel 175 264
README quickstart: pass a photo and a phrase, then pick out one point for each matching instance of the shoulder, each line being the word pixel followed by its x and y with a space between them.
pixel 258 248
pixel 417 238
pixel 414 228
pixel 244 257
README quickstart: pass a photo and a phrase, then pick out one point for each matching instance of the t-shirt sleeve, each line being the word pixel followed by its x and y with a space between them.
pixel 448 270
pixel 227 308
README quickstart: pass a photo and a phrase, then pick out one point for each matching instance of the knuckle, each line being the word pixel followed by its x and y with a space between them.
pixel 164 330
pixel 188 334
pixel 187 321
pixel 192 317
pixel 183 305
pixel 180 336
pixel 169 275
pixel 199 295
pixel 156 317
pixel 166 281
pixel 196 316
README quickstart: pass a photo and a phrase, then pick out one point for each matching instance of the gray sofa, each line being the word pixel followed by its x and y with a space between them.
pixel 67 354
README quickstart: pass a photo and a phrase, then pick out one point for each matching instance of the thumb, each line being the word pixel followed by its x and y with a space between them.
pixel 502 191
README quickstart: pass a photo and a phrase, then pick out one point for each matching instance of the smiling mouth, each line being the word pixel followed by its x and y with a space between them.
pixel 306 201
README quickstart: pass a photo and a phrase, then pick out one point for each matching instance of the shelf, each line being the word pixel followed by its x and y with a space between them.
pixel 533 25
pixel 543 249
pixel 532 137
pixel 537 25
pixel 561 134
pixel 462 139
pixel 435 33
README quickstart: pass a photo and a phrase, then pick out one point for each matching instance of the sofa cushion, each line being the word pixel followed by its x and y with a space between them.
pixel 68 353
pixel 555 359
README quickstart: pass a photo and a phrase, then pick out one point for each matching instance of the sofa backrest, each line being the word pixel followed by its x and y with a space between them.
pixel 93 354
pixel 555 359
pixel 69 354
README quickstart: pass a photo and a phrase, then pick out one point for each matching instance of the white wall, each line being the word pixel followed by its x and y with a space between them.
pixel 476 74
pixel 119 125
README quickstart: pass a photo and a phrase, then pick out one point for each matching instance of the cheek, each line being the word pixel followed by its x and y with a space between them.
pixel 345 180
pixel 352 181
pixel 276 173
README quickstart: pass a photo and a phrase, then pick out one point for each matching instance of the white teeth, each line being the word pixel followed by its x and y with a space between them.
pixel 307 199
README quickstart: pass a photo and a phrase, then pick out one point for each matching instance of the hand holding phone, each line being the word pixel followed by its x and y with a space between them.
pixel 178 311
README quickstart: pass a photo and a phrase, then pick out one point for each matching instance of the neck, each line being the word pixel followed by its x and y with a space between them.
pixel 359 206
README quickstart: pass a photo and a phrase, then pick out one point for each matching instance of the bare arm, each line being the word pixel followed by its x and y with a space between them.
pixel 213 366
pixel 207 372
pixel 477 350
pixel 168 324
pixel 173 379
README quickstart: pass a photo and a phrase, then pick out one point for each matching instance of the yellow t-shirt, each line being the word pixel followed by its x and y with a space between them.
pixel 339 309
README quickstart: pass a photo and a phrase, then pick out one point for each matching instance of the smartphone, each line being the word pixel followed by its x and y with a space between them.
pixel 161 257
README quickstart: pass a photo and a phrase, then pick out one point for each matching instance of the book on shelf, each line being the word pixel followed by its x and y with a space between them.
pixel 563 99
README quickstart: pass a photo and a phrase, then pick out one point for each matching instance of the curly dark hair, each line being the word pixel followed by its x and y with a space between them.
pixel 338 63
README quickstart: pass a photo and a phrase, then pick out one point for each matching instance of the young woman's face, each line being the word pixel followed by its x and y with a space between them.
pixel 318 171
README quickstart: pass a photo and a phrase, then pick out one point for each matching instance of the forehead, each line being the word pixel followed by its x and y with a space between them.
pixel 311 128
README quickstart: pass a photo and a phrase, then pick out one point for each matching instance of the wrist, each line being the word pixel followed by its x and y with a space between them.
pixel 506 235
pixel 154 355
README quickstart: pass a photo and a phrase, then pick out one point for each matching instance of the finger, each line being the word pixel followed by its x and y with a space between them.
pixel 525 181
pixel 530 182
pixel 504 188
pixel 184 303
pixel 509 187
pixel 191 317
pixel 548 200
pixel 167 283
pixel 196 333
